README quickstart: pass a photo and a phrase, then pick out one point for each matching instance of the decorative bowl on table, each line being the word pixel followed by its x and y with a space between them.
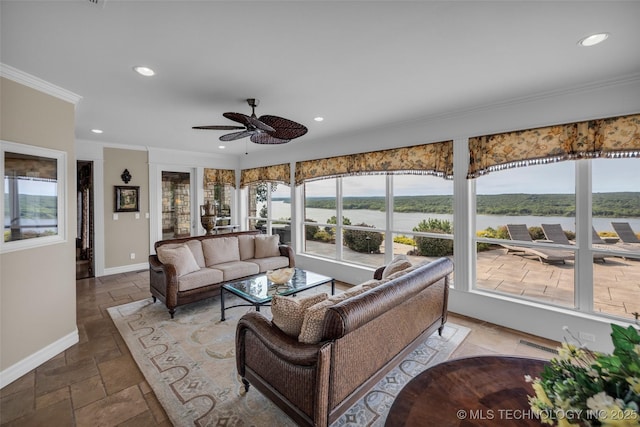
pixel 280 276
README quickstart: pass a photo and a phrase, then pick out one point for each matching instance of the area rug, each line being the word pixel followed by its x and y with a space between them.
pixel 189 362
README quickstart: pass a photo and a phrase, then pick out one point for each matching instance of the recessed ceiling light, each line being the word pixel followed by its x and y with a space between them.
pixel 96 130
pixel 144 71
pixel 593 39
pixel 222 147
pixel 318 119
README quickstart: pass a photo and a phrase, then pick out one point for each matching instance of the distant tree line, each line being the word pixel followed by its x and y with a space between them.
pixel 34 207
pixel 605 205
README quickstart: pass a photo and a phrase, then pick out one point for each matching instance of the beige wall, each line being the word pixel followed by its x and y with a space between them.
pixel 37 286
pixel 127 234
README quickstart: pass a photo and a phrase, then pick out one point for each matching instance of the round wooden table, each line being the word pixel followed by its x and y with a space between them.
pixel 473 391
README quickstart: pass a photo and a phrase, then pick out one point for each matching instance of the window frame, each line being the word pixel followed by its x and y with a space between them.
pixel 61 169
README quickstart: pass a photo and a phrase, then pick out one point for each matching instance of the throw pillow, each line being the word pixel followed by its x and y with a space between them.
pixel 288 312
pixel 196 249
pixel 311 331
pixel 180 257
pixel 399 263
pixel 247 247
pixel 218 250
pixel 267 246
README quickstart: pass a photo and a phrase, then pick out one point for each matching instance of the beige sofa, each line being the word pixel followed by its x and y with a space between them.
pixel 193 268
pixel 345 346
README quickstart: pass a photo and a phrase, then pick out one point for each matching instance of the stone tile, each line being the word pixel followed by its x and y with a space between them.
pixel 120 373
pixel 59 414
pixel 145 419
pixel 102 327
pixel 90 348
pixel 87 391
pixel 48 380
pixel 25 382
pixel 470 349
pixel 140 295
pixel 52 397
pixel 158 412
pixel 112 410
pixel 16 405
pixel 122 292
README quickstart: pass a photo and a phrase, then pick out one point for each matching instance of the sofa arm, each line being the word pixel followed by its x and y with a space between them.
pixel 164 279
pixel 287 251
pixel 281 345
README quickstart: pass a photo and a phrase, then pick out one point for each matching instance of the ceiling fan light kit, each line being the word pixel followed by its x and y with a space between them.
pixel 260 130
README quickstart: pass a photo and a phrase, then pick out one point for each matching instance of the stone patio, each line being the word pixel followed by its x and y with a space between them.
pixel 617 280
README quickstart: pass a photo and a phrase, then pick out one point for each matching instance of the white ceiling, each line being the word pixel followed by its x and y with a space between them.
pixel 359 64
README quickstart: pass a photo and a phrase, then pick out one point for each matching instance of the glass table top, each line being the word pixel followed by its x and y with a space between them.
pixel 259 289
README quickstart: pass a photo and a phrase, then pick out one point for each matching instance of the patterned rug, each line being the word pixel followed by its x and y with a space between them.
pixel 189 362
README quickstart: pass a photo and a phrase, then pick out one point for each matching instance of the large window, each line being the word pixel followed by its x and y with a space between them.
pixel 320 213
pixel 421 218
pixel 616 199
pixel 33 202
pixel 270 209
pixel 530 264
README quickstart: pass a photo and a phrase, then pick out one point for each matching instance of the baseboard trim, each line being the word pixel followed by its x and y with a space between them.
pixel 36 359
pixel 126 269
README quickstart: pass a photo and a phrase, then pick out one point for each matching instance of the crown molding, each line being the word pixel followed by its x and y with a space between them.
pixel 33 82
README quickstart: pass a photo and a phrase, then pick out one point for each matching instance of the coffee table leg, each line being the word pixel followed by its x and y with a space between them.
pixel 333 287
pixel 222 304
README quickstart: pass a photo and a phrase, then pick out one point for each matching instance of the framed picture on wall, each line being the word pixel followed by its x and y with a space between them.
pixel 127 198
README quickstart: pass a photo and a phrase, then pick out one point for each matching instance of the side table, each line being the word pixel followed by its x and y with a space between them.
pixel 472 391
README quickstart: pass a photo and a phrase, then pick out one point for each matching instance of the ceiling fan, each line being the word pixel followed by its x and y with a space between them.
pixel 261 130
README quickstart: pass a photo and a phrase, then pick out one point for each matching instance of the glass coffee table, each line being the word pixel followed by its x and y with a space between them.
pixel 258 290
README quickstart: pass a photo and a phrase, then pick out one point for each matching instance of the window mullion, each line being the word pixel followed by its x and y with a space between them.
pixel 388 234
pixel 339 251
pixel 583 295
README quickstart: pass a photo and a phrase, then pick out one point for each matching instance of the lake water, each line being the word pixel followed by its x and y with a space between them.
pixel 406 221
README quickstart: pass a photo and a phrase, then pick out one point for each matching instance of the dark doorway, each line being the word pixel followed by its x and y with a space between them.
pixel 85 238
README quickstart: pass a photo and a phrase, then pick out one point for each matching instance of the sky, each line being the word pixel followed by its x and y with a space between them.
pixel 609 175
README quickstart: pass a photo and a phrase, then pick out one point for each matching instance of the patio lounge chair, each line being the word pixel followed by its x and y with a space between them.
pixel 555 233
pixel 596 239
pixel 625 232
pixel 520 232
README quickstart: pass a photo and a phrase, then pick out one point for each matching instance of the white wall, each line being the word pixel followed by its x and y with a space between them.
pixel 37 285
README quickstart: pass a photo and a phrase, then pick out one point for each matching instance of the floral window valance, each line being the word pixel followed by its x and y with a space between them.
pixel 30 167
pixel 275 173
pixel 219 176
pixel 612 137
pixel 427 159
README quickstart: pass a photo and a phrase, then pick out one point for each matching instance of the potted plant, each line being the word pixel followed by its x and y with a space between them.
pixel 583 387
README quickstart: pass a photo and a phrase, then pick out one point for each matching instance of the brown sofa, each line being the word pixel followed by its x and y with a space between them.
pixel 363 337
pixel 195 268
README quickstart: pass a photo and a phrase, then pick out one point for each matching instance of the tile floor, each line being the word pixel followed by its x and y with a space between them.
pixel 96 382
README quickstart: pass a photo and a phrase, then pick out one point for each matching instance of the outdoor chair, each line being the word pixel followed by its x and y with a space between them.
pixel 521 233
pixel 596 239
pixel 556 234
pixel 625 232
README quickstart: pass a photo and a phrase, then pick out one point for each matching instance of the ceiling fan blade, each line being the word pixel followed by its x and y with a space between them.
pixel 221 127
pixel 265 138
pixel 284 128
pixel 258 124
pixel 238 117
pixel 235 135
pixel 249 121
